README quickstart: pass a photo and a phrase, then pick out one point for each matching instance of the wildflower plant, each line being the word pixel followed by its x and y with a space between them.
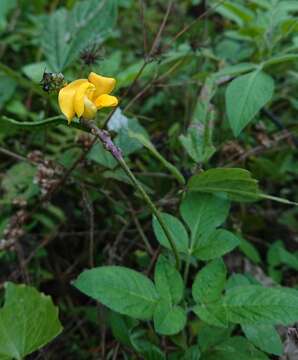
pixel 158 263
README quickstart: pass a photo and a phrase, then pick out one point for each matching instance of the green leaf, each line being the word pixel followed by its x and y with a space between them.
pixel 176 229
pixel 245 96
pixel 101 156
pixel 192 353
pixel 18 182
pixel 168 281
pixel 168 319
pixel 209 336
pixel 215 244
pixel 127 144
pixel 198 142
pixel 144 347
pixel 28 321
pixel 253 304
pixel 277 255
pixel 203 212
pixel 280 59
pixel 67 33
pixel 149 146
pixel 6 6
pixel 210 282
pixel 236 69
pixel 249 250
pixel 264 337
pixel 7 88
pixel 121 327
pixel 236 183
pixel 212 314
pixel 235 11
pixel 120 289
pixel 238 280
pixel 236 347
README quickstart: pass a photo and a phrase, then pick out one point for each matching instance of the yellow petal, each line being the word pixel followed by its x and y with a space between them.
pixel 84 90
pixel 104 85
pixel 66 98
pixel 89 110
pixel 105 101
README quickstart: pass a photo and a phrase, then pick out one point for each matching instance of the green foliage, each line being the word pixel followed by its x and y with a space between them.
pixel 67 33
pixel 123 290
pixel 237 184
pixel 207 111
pixel 203 212
pixel 215 244
pixel 235 347
pixel 245 96
pixel 28 321
pixel 177 230
pixel 168 281
pixel 209 282
pixel 264 337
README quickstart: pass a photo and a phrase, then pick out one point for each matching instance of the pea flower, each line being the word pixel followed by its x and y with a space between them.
pixel 84 97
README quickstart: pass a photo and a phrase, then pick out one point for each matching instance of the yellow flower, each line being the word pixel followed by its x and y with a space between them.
pixel 84 97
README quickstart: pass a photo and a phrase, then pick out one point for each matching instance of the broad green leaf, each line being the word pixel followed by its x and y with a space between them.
pixel 146 348
pixel 192 353
pixel 215 244
pixel 236 183
pixel 177 230
pixel 209 282
pixel 35 70
pixel 149 146
pixel 28 321
pixel 253 304
pixel 264 337
pixel 245 96
pixel 203 212
pixel 67 33
pixel 120 289
pixel 168 281
pixel 168 319
pixel 209 336
pixel 213 314
pixel 238 280
pixel 235 348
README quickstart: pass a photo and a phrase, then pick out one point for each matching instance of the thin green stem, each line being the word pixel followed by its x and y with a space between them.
pixel 153 208
pixel 108 144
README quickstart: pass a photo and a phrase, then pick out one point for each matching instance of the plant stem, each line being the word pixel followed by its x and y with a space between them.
pixel 152 207
pixel 108 144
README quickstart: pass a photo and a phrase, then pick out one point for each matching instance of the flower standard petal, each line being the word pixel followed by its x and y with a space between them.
pixel 84 90
pixel 104 85
pixel 106 101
